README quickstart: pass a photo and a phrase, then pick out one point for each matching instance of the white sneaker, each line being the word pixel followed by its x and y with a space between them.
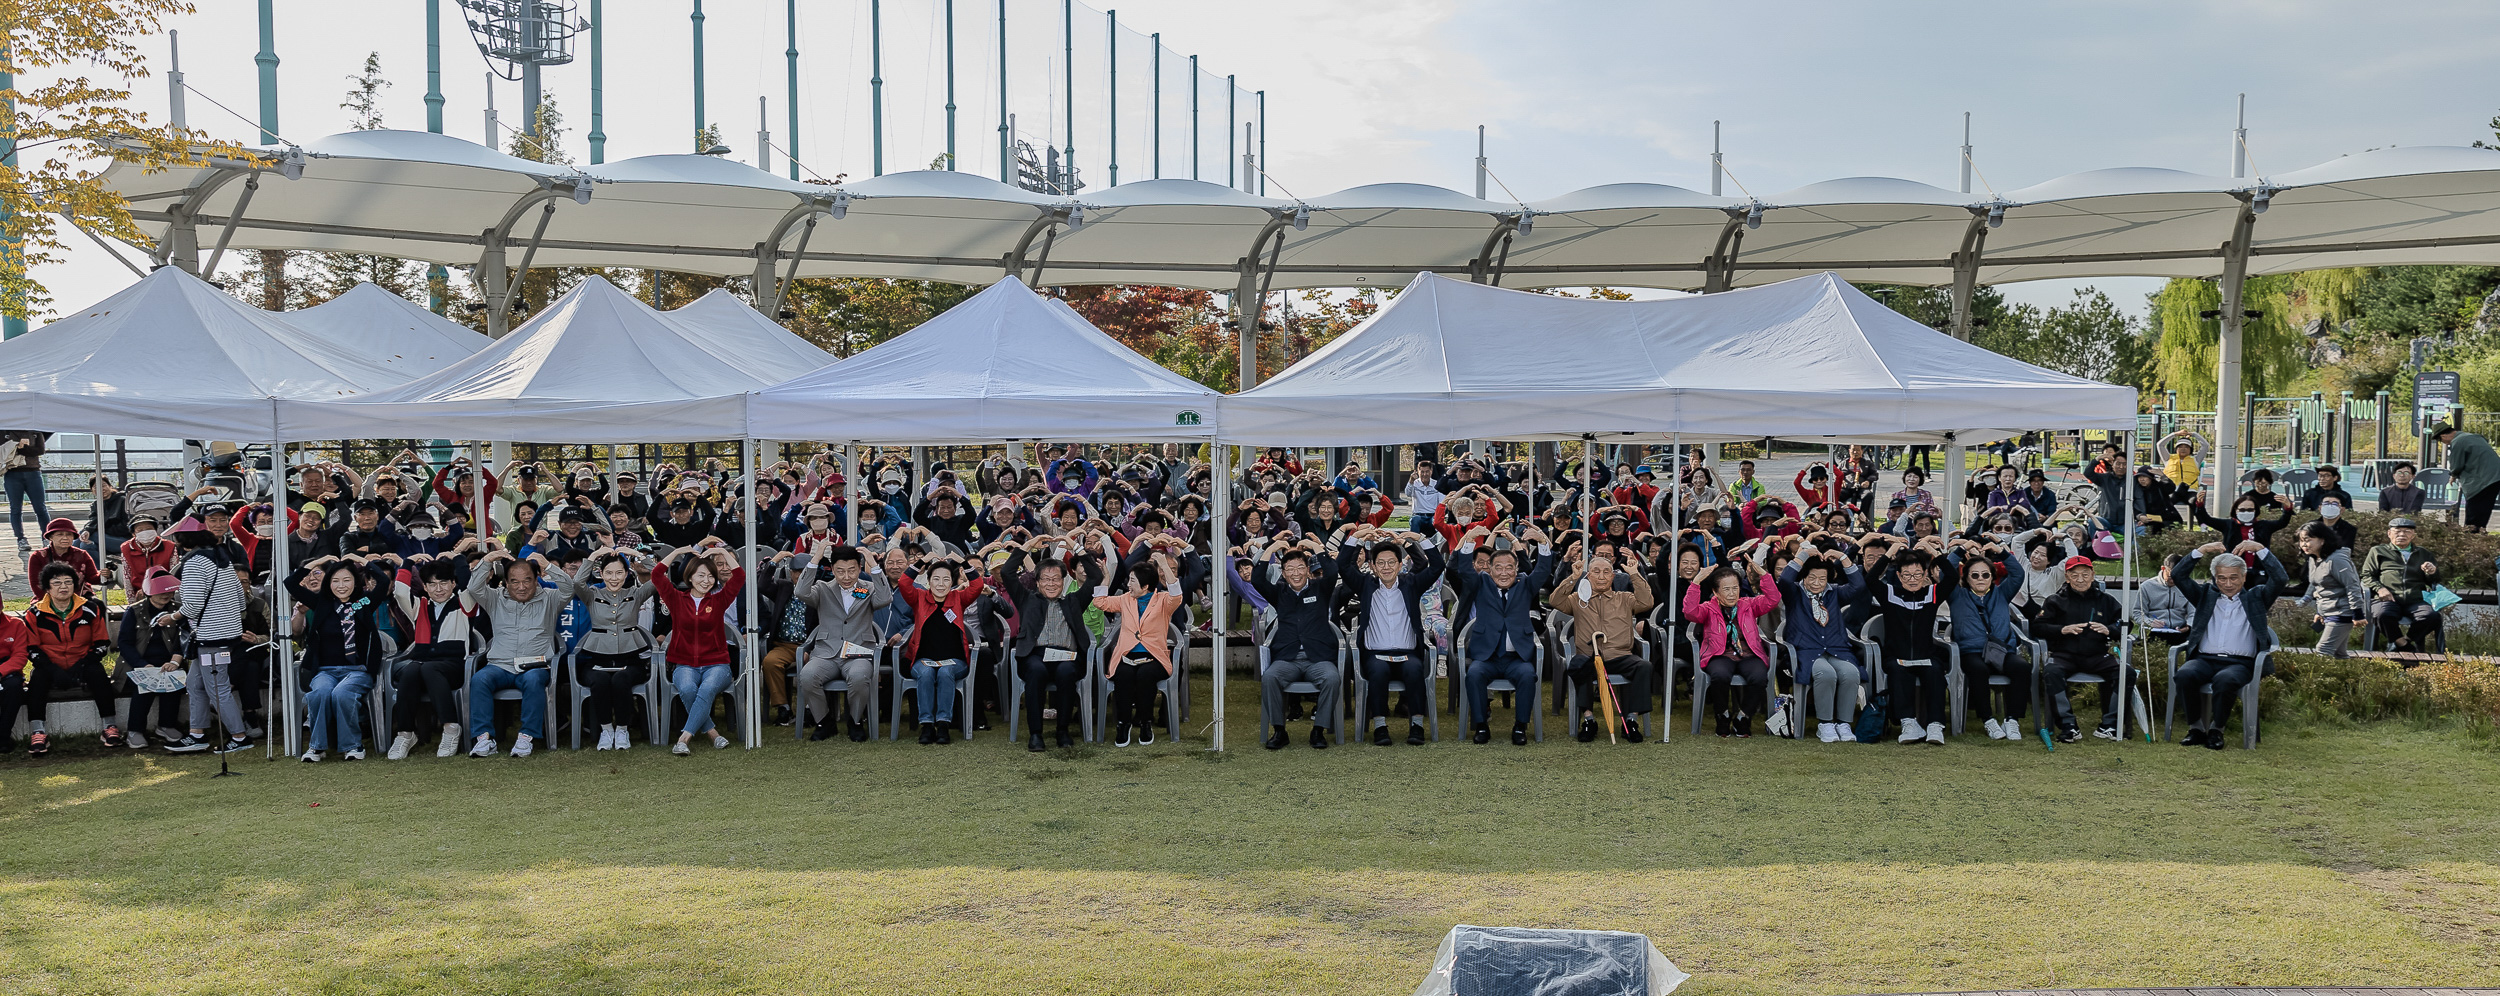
pixel 719 742
pixel 679 749
pixel 1935 734
pixel 354 755
pixel 311 757
pixel 2105 732
pixel 485 746
pixel 1825 732
pixel 624 739
pixel 1911 732
pixel 451 741
pixel 400 746
pixel 522 746
pixel 2013 729
pixel 607 738
pixel 1848 732
pixel 1996 730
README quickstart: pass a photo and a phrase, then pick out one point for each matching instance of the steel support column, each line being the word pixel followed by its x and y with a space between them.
pixel 2227 399
pixel 1966 272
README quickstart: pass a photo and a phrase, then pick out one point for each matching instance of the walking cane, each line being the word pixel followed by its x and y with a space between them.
pixel 1605 689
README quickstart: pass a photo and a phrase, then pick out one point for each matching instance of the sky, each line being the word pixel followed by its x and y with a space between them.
pixel 1570 94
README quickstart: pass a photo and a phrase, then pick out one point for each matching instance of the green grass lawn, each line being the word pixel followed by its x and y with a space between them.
pixel 2358 856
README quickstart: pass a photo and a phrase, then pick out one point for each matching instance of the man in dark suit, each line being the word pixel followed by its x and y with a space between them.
pixel 1051 638
pixel 1301 588
pixel 1502 638
pixel 1388 622
pixel 2229 631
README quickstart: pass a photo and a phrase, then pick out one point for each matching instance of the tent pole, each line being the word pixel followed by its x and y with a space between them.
pixel 2227 398
pixel 1675 571
pixel 1217 588
pixel 1953 470
pixel 2127 521
pixel 1588 504
pixel 850 507
pixel 752 717
pixel 281 614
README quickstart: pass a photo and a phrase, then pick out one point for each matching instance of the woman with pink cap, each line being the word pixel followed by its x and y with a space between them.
pixel 153 641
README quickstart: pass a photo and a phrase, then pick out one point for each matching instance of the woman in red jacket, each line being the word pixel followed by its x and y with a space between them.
pixel 17 644
pixel 69 637
pixel 940 646
pixel 698 637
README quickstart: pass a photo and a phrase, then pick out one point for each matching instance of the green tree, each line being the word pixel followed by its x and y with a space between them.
pixel 2273 353
pixel 329 274
pixel 73 121
pixel 844 315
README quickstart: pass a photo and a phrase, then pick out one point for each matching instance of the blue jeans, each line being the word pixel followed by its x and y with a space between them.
pixel 935 684
pixel 22 485
pixel 532 684
pixel 1482 674
pixel 696 688
pixel 337 699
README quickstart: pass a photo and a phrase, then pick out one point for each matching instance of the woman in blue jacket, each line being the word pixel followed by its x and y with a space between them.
pixel 1983 632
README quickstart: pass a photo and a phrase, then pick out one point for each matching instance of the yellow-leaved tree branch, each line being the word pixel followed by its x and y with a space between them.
pixel 55 131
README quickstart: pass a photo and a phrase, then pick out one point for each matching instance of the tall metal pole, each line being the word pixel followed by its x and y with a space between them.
pixel 763 136
pixel 2227 392
pixel 1111 20
pixel 531 94
pixel 268 60
pixel 876 87
pixel 1479 162
pixel 1262 143
pixel 790 55
pixel 434 66
pixel 699 120
pixel 950 89
pixel 1193 117
pixel 1067 42
pixel 598 85
pixel 1232 118
pixel 1966 152
pixel 2239 142
pixel 1006 140
pixel 1718 168
pixel 1155 42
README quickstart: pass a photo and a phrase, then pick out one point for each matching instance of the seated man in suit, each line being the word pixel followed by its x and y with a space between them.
pixel 1389 621
pixel 1051 639
pixel 846 589
pixel 1503 639
pixel 2229 630
pixel 1302 589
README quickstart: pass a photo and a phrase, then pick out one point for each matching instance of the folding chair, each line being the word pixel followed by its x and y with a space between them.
pixel 1460 661
pixel 840 686
pixel 648 692
pixel 2248 692
pixel 1358 696
pixel 1771 646
pixel 1957 681
pixel 1263 627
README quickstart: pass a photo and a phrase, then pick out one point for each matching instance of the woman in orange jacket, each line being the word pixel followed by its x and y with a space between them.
pixel 69 637
pixel 1141 654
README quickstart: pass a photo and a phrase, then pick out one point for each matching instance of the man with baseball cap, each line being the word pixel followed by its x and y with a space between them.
pixel 2397 573
pixel 2080 623
pixel 2477 471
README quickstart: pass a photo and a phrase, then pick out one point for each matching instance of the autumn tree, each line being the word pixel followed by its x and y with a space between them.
pixel 74 119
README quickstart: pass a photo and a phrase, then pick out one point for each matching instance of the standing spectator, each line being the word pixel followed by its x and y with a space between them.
pixel 2334 594
pixel 21 460
pixel 2398 573
pixel 2477 471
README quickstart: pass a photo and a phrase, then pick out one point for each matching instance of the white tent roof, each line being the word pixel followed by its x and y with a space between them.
pixel 596 366
pixel 721 311
pixel 1810 357
pixel 171 356
pixel 418 342
pixel 429 197
pixel 1004 364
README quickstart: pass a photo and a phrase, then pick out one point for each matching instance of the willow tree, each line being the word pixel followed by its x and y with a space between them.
pixel 2273 352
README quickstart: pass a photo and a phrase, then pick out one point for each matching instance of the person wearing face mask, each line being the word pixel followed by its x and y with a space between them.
pixel 1818 633
pixel 2261 490
pixel 698 636
pixel 2331 513
pixel 427 590
pixel 2246 525
pixel 1984 635
pixel 147 551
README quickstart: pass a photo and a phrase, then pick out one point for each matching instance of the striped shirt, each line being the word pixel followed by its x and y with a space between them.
pixel 212 599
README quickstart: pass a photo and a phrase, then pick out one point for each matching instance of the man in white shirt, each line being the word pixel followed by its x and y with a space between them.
pixel 2229 632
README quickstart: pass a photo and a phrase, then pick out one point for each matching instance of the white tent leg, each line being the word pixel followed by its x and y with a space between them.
pixel 1952 484
pixel 752 717
pixel 1217 587
pixel 281 611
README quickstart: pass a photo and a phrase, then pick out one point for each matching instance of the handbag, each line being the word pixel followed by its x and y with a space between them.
pixel 2439 598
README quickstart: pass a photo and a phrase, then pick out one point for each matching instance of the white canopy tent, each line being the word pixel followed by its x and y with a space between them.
pixel 172 356
pixel 595 363
pixel 1808 358
pixel 720 311
pixel 1005 364
pixel 369 317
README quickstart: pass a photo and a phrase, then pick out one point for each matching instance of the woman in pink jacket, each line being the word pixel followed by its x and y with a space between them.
pixel 1729 610
pixel 1141 654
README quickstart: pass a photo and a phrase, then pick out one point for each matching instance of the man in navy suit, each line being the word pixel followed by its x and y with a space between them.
pixel 1502 640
